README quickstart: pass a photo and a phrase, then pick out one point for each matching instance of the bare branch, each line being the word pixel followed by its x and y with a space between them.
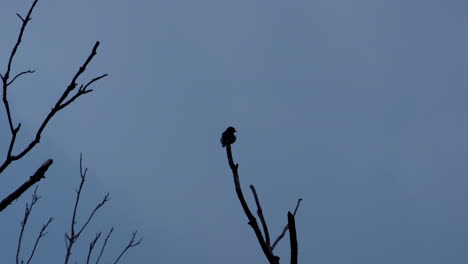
pixel 287 226
pixel 41 234
pixel 71 238
pixel 260 215
pixel 38 175
pixel 292 238
pixel 104 245
pixel 91 246
pixel 131 244
pixel 61 103
pixel 35 197
pixel 82 90
pixel 18 75
pixel 6 76
pixel 104 200
pixel 252 220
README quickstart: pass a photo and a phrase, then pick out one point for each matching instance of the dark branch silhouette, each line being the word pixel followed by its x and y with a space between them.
pixel 38 175
pixel 41 234
pixel 91 246
pixel 34 199
pixel 63 101
pixel 73 90
pixel 260 215
pixel 252 220
pixel 287 226
pixel 262 238
pixel 104 245
pixel 75 232
pixel 132 243
pixel 71 238
pixel 292 238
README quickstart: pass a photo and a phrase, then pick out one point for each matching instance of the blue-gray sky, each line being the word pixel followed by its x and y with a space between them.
pixel 359 107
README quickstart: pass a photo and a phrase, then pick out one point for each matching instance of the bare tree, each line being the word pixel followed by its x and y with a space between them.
pixel 263 238
pixel 75 232
pixel 71 92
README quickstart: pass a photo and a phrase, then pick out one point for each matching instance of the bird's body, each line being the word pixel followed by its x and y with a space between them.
pixel 228 137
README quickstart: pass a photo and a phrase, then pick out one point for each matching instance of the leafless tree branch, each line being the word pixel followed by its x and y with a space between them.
pixel 71 238
pixel 38 175
pixel 264 243
pixel 130 244
pixel 91 246
pixel 287 226
pixel 292 238
pixel 260 215
pixel 61 103
pixel 6 80
pixel 252 220
pixel 104 245
pixel 41 234
pixel 19 75
pixel 35 197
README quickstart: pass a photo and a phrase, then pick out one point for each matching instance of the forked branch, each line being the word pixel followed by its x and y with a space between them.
pixel 63 101
pixel 264 242
pixel 272 259
pixel 29 206
pixel 73 236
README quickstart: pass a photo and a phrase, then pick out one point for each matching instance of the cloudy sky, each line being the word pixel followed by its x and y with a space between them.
pixel 358 107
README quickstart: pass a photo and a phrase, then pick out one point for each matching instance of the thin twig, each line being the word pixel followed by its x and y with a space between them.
pixel 6 76
pixel 131 244
pixel 35 197
pixel 71 238
pixel 19 74
pixel 104 245
pixel 91 246
pixel 292 238
pixel 82 90
pixel 104 200
pixel 41 234
pixel 252 220
pixel 38 175
pixel 6 82
pixel 260 215
pixel 61 103
pixel 287 226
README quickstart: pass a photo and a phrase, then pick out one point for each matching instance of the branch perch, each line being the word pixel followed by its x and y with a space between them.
pixel 252 220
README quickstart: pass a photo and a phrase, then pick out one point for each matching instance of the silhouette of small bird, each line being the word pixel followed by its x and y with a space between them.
pixel 228 136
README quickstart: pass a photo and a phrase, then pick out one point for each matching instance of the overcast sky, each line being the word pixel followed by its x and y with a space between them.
pixel 358 107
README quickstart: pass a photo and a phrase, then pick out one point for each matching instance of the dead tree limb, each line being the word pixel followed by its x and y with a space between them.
pixel 252 220
pixel 287 226
pixel 41 234
pixel 260 215
pixel 91 246
pixel 104 245
pixel 73 236
pixel 292 238
pixel 75 232
pixel 34 199
pixel 7 79
pixel 263 239
pixel 36 177
pixel 131 243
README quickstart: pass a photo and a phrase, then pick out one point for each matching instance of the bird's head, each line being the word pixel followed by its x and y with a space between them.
pixel 231 129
